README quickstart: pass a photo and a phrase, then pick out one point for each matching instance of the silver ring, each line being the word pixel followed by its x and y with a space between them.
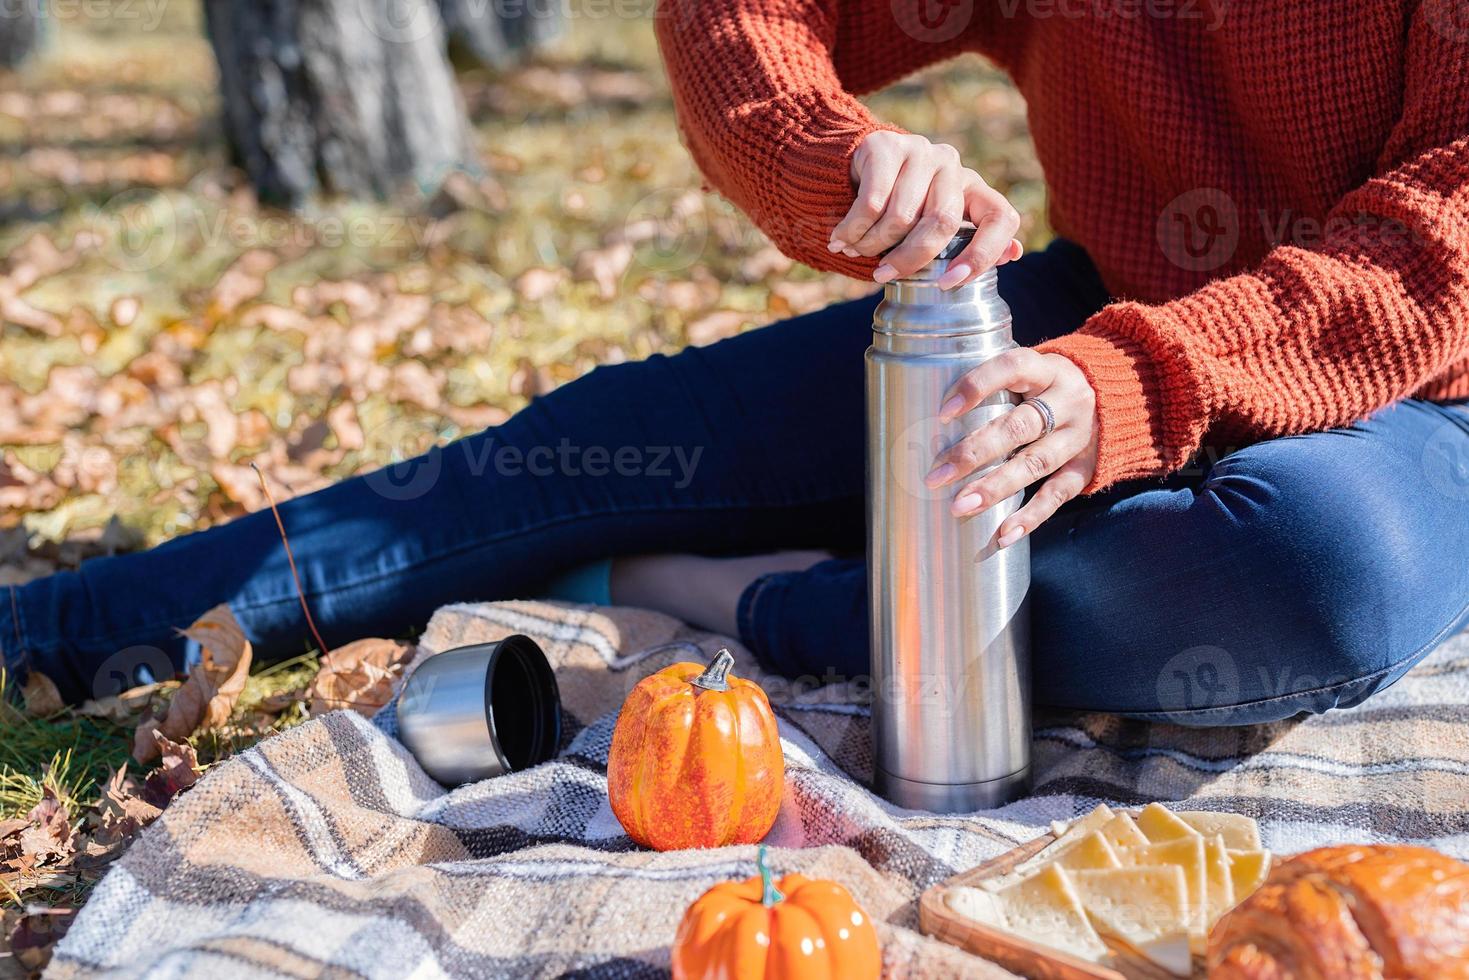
pixel 1047 416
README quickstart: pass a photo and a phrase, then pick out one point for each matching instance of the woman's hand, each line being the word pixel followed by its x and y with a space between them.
pixel 1068 456
pixel 916 192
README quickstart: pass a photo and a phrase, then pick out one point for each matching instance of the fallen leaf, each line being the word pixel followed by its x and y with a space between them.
pixel 48 835
pixel 715 326
pixel 360 676
pixel 534 285
pixel 342 419
pixel 207 698
pixel 36 934
pixel 124 310
pixel 42 699
pixel 605 267
pixel 178 769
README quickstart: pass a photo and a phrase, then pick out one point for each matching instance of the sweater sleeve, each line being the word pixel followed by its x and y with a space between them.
pixel 1311 337
pixel 766 117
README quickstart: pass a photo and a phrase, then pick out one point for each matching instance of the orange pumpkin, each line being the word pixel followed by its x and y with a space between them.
pixel 695 759
pixel 762 930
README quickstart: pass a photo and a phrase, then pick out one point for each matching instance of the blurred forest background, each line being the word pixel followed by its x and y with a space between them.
pixel 162 328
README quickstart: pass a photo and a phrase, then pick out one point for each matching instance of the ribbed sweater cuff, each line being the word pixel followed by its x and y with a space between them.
pixel 814 183
pixel 1130 443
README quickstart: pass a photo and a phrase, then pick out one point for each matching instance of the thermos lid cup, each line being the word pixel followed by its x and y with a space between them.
pixel 480 711
pixel 961 238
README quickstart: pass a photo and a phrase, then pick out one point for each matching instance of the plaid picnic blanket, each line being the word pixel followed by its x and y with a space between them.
pixel 326 850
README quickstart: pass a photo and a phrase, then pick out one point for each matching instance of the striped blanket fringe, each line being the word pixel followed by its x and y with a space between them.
pixel 326 850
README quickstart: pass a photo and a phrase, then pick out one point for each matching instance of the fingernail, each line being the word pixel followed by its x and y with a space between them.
pixel 836 245
pixel 954 275
pixel 1011 536
pixel 966 503
pixel 850 252
pixel 951 409
pixel 884 273
pixel 940 475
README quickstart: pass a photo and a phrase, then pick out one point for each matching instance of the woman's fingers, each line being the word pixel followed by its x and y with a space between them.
pixel 904 211
pixel 1022 371
pixel 1030 465
pixel 995 223
pixel 943 212
pixel 1065 485
pixel 992 441
pixel 877 172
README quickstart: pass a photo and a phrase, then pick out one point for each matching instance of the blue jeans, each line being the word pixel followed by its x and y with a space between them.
pixel 1288 576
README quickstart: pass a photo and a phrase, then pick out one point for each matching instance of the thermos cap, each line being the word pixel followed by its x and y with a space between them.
pixel 961 238
pixel 480 711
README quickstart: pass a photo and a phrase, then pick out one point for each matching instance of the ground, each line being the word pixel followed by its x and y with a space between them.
pixel 161 331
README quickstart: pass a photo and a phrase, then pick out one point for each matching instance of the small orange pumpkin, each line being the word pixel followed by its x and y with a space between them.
pixel 695 759
pixel 758 929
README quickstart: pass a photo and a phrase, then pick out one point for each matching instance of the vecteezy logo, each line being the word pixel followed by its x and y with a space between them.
pixel 1199 229
pixel 1199 677
pixel 130 667
pixel 1445 461
pixel 416 460
pixel 138 230
pixel 401 21
pixel 933 21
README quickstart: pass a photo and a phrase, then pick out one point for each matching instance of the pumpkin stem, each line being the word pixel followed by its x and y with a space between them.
pixel 769 894
pixel 716 675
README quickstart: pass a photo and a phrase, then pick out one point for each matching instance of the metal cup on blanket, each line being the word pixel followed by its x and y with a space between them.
pixel 950 618
pixel 480 711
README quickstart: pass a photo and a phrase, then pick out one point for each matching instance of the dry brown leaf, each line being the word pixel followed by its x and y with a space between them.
pixel 124 310
pixel 342 419
pixel 122 811
pixel 35 934
pixel 360 676
pixel 534 285
pixel 715 326
pixel 49 834
pixel 120 708
pixel 605 267
pixel 178 769
pixel 42 699
pixel 207 698
pixel 415 384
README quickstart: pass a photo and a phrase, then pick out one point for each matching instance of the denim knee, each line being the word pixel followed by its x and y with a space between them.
pixel 1342 592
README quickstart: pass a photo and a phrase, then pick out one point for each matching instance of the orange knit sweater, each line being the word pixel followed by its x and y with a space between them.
pixel 1278 189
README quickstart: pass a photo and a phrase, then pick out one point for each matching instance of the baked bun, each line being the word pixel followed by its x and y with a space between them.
pixel 1343 913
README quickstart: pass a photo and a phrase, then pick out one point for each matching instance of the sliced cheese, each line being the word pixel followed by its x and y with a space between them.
pixel 977 904
pixel 1121 831
pixel 1075 832
pixel 1071 836
pixel 1248 869
pixel 1158 823
pixel 1240 833
pixel 1173 953
pixel 1044 908
pixel 1218 883
pixel 1092 851
pixel 1145 908
pixel 1188 854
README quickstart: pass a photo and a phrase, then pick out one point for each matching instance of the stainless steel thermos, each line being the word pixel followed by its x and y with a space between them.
pixel 950 620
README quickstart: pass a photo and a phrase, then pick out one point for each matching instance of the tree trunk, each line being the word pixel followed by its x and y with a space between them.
pixel 351 97
pixel 22 30
pixel 497 33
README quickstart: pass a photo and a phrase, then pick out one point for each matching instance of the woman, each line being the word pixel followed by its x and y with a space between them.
pixel 1281 195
